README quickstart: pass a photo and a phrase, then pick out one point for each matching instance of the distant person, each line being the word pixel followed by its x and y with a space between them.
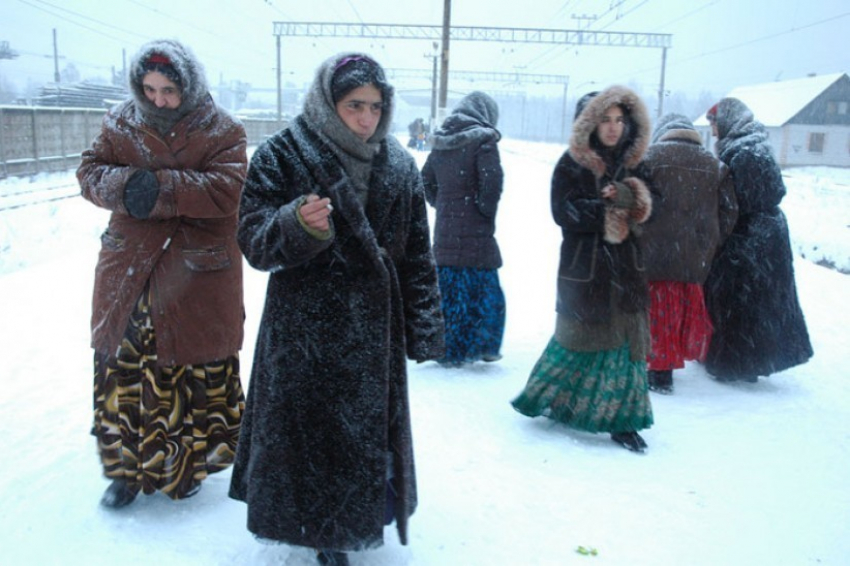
pixel 463 180
pixel 415 129
pixel 759 328
pixel 592 375
pixel 167 319
pixel 694 212
pixel 334 209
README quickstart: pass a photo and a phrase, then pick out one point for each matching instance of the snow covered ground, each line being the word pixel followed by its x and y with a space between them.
pixel 745 474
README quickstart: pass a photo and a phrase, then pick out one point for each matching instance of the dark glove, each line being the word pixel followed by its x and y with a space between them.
pixel 625 196
pixel 140 193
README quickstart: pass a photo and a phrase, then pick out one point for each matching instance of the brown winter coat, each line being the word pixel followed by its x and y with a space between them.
pixel 696 210
pixel 187 247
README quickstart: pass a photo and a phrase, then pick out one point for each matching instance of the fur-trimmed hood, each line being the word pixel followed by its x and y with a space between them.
pixel 637 136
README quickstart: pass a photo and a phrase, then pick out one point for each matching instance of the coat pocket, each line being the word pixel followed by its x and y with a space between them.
pixel 637 257
pixel 581 261
pixel 206 259
pixel 112 241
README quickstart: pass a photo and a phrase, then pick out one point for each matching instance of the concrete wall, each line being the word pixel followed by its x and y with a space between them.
pixel 41 139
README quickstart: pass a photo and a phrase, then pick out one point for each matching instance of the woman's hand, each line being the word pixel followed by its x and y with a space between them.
pixel 315 212
pixel 609 192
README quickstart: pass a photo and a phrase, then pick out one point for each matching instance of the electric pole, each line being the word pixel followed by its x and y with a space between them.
pixel 55 58
pixel 444 59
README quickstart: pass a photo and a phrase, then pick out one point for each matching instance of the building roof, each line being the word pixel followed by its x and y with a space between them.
pixel 775 103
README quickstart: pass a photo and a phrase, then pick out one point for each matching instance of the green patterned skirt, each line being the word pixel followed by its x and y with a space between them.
pixel 602 391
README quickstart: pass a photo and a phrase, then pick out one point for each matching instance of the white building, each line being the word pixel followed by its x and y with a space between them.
pixel 808 120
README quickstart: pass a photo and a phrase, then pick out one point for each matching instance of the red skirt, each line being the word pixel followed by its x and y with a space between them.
pixel 679 322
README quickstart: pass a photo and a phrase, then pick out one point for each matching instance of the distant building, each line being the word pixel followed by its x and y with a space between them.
pixel 808 120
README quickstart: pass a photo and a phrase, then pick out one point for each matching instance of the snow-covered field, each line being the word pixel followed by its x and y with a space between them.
pixel 745 474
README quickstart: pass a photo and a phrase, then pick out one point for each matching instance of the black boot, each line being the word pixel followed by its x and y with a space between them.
pixel 630 441
pixel 661 381
pixel 332 558
pixel 118 494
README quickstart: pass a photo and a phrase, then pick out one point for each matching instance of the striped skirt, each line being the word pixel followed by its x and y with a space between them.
pixel 163 428
pixel 679 323
pixel 602 391
pixel 474 313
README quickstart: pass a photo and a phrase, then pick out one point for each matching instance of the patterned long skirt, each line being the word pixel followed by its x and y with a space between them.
pixel 474 312
pixel 601 391
pixel 679 323
pixel 164 428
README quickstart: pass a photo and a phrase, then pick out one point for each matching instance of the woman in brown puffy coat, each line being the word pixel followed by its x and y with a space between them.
pixel 167 314
pixel 694 213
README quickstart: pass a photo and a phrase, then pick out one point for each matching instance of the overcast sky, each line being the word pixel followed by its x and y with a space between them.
pixel 716 44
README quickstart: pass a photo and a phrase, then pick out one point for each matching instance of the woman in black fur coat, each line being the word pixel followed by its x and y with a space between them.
pixel 751 295
pixel 333 208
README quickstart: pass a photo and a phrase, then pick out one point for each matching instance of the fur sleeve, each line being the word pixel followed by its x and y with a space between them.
pixel 616 224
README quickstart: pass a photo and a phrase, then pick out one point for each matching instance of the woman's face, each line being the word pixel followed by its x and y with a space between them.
pixel 361 110
pixel 610 129
pixel 161 90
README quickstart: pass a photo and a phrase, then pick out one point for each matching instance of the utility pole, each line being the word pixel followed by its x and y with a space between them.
pixel 432 123
pixel 444 60
pixel 279 90
pixel 55 58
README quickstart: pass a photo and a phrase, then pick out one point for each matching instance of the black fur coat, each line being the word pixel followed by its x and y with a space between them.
pixel 750 292
pixel 327 416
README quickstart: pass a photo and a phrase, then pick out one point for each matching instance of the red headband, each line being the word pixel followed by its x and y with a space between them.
pixel 159 59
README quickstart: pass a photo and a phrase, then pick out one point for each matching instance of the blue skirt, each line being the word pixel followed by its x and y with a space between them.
pixel 474 311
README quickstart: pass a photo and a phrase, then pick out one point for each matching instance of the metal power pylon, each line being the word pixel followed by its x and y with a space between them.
pixel 474 33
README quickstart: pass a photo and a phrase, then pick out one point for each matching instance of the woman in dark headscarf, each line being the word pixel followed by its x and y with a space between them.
pixel 592 375
pixel 333 207
pixel 463 181
pixel 167 318
pixel 751 295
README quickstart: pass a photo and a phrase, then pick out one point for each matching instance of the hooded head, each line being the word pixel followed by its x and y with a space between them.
pixel 732 115
pixel 480 107
pixel 669 123
pixel 585 145
pixel 473 120
pixel 582 103
pixel 179 65
pixel 337 77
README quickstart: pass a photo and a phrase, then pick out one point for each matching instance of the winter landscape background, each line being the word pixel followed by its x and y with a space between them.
pixel 745 474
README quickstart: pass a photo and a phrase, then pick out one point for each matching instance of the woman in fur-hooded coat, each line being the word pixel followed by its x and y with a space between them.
pixel 167 312
pixel 759 328
pixel 592 375
pixel 463 180
pixel 326 456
